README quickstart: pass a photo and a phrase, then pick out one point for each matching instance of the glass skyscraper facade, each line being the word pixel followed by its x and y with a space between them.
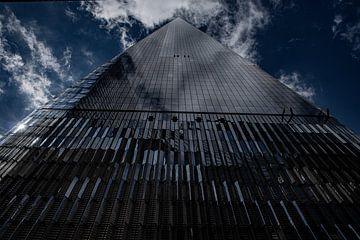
pixel 179 138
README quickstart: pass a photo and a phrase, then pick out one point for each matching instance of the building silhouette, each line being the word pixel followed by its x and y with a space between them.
pixel 179 138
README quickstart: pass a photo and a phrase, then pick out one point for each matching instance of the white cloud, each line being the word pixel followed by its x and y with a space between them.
pixel 235 29
pixel 31 82
pixel 336 24
pixel 89 56
pixel 29 71
pixel 125 39
pixel 352 35
pixel 37 48
pixel 2 84
pixel 338 19
pixel 241 36
pixel 67 58
pixel 347 28
pixel 149 13
pixel 71 14
pixel 348 32
pixel 294 81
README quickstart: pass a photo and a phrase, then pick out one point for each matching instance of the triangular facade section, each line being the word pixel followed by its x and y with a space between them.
pixel 178 68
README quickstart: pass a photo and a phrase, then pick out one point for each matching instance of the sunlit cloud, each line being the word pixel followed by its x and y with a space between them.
pixel 236 29
pixel 32 69
pixel 295 82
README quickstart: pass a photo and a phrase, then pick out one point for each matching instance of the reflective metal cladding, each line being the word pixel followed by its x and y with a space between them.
pixel 179 137
pixel 179 68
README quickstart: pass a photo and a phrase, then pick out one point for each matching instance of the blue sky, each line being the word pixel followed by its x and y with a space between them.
pixel 311 46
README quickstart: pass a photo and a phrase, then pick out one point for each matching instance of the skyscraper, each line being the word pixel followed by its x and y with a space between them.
pixel 179 138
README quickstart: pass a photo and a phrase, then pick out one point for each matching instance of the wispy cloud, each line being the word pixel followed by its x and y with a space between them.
pixel 89 56
pixel 71 14
pixel 66 59
pixel 238 29
pixel 295 82
pixel 338 19
pixel 235 26
pixel 2 84
pixel 352 35
pixel 125 39
pixel 30 70
pixel 346 25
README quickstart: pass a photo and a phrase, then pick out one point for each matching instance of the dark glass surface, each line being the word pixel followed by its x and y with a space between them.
pixel 179 68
